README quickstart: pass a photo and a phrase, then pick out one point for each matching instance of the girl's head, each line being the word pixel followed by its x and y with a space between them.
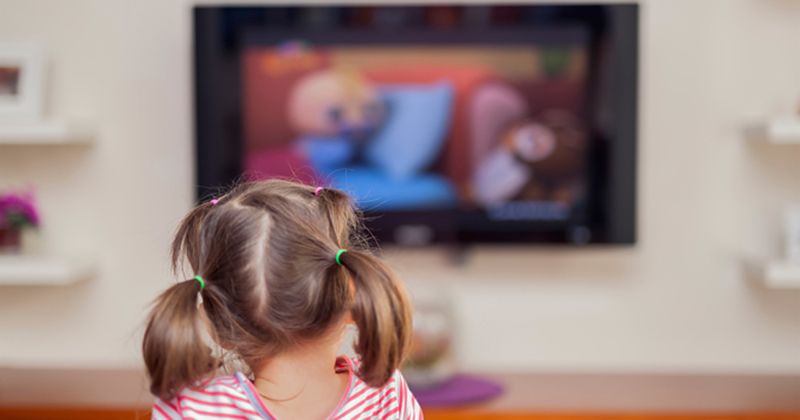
pixel 267 254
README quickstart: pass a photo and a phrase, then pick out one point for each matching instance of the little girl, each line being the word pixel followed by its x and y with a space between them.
pixel 279 275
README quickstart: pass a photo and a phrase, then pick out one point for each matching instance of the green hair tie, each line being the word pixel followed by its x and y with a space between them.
pixel 201 281
pixel 339 255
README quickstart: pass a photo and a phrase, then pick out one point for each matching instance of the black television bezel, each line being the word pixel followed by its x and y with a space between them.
pixel 218 132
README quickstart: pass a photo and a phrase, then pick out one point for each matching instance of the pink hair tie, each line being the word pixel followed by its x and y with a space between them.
pixel 317 190
pixel 214 201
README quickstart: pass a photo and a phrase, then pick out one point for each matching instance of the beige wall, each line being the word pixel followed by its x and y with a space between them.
pixel 678 301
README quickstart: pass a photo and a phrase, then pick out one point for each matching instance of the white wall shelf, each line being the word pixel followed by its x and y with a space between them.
pixel 30 270
pixel 782 275
pixel 780 130
pixel 44 133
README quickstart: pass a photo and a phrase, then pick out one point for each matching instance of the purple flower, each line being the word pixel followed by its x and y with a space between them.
pixel 18 210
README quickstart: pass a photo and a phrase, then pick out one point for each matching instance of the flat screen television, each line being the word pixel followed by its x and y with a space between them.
pixel 446 123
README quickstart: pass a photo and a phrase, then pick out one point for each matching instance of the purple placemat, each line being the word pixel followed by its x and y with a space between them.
pixel 459 390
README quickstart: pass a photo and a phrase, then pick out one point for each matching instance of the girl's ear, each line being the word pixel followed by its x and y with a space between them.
pixel 348 319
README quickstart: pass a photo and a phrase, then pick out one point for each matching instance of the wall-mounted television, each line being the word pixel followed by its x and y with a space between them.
pixel 446 123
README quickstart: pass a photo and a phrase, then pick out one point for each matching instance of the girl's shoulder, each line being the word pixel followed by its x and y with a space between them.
pixel 223 396
pixel 393 400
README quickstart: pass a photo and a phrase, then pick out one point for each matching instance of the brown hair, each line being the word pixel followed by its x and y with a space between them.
pixel 266 251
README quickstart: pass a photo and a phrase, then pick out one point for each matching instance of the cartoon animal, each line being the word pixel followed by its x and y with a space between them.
pixel 535 160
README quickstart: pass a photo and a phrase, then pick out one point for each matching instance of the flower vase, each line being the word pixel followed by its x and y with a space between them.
pixel 10 240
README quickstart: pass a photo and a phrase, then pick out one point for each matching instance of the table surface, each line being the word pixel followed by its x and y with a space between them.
pixel 558 392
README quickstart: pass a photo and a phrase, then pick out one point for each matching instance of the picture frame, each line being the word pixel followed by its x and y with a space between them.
pixel 21 81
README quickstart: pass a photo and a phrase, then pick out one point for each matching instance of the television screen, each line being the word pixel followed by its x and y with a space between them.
pixel 444 123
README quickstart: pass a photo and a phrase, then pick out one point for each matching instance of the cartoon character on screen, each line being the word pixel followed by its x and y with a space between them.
pixel 535 160
pixel 334 111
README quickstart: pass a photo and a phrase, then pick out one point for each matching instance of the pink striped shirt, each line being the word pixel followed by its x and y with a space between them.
pixel 235 397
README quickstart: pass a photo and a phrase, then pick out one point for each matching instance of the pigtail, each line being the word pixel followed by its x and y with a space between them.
pixel 174 347
pixel 382 313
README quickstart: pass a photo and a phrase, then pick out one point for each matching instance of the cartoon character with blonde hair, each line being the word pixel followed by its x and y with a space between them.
pixel 334 111
pixel 335 102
